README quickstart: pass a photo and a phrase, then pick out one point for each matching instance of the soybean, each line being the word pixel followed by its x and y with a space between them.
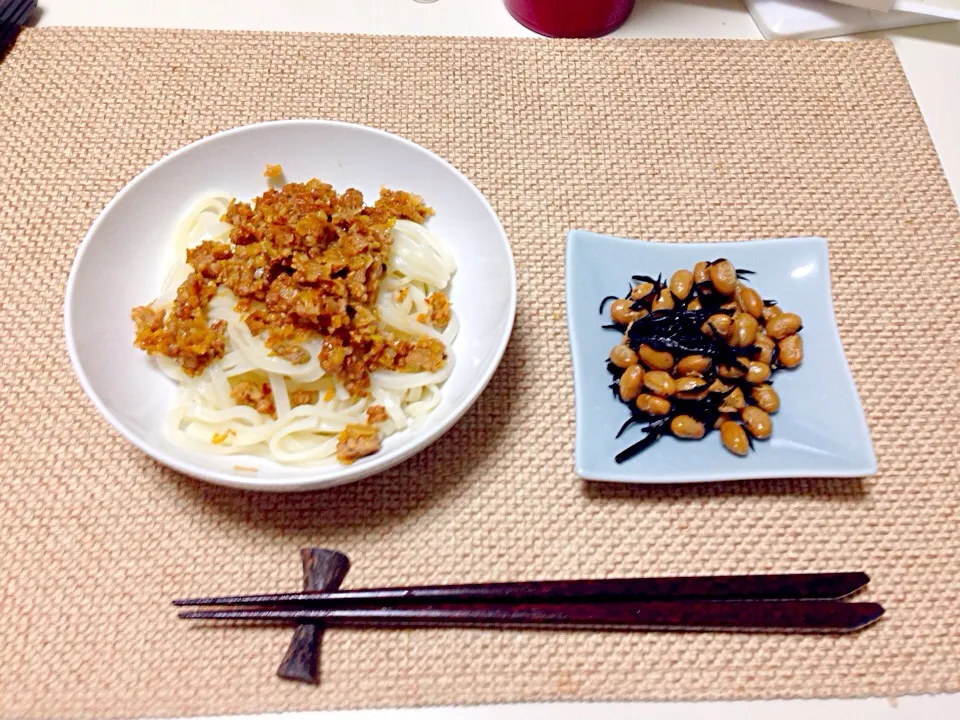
pixel 701 273
pixel 622 312
pixel 623 356
pixel 718 386
pixel 766 398
pixel 757 372
pixel 730 371
pixel 758 422
pixel 656 359
pixel 791 351
pixel 766 345
pixel 770 312
pixel 723 275
pixel 630 383
pixel 719 323
pixel 653 404
pixel 684 426
pixel 734 401
pixel 659 383
pixel 734 437
pixel 744 330
pixel 750 339
pixel 641 291
pixel 783 324
pixel 749 300
pixel 681 284
pixel 691 388
pixel 693 365
pixel 663 301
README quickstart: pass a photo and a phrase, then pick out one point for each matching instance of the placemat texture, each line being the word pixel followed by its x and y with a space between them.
pixel 673 141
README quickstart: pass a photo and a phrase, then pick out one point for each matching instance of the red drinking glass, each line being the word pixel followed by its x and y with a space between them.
pixel 571 18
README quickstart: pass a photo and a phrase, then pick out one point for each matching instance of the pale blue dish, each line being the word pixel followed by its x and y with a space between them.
pixel 820 430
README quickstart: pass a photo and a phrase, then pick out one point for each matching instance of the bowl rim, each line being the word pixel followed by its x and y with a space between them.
pixel 260 482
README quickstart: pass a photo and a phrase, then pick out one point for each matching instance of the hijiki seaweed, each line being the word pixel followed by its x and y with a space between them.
pixel 697 353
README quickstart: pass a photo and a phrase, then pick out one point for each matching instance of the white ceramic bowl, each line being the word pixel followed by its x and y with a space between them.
pixel 122 261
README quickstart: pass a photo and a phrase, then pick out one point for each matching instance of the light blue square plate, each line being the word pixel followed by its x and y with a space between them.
pixel 820 430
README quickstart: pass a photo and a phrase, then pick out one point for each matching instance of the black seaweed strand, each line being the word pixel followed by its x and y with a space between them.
pixel 653 431
pixel 604 301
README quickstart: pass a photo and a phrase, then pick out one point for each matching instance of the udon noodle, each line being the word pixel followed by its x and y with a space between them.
pixel 311 407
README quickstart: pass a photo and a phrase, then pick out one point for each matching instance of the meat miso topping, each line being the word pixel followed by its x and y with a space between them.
pixel 303 261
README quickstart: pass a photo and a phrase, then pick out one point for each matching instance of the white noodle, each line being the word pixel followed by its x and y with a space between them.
pixel 205 416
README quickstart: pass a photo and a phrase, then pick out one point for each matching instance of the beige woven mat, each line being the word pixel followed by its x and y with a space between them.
pixel 668 140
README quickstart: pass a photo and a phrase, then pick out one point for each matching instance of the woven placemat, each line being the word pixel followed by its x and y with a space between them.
pixel 673 141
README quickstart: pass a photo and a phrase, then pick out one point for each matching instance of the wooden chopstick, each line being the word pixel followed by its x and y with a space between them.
pixel 822 586
pixel 720 615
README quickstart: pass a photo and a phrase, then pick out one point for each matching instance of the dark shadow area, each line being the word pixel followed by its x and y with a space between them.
pixel 8 36
pixel 34 19
pixel 382 499
pixel 839 489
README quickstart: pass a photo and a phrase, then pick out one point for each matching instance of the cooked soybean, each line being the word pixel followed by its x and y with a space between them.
pixel 656 359
pixel 652 404
pixel 757 372
pixel 723 275
pixel 660 383
pixel 791 351
pixel 693 365
pixel 663 301
pixel 622 312
pixel 744 330
pixel 784 324
pixel 766 398
pixel 734 437
pixel 757 421
pixel 749 300
pixel 684 426
pixel 630 383
pixel 623 356
pixel 681 284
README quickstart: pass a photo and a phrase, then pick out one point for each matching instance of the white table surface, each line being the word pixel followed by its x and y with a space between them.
pixel 931 59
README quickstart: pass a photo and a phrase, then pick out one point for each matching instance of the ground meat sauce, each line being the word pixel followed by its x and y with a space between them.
pixel 183 334
pixel 439 309
pixel 376 414
pixel 303 262
pixel 357 441
pixel 256 395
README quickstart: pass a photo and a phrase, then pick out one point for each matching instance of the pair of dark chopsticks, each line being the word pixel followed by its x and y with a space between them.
pixel 13 14
pixel 753 603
